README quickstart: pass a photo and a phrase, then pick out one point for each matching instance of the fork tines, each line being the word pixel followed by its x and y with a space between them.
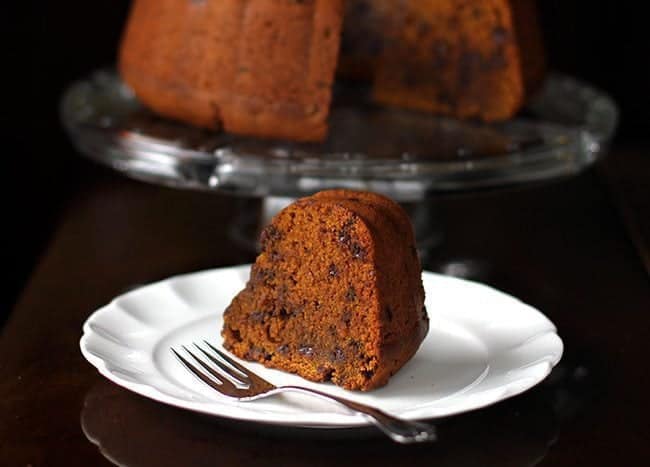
pixel 227 375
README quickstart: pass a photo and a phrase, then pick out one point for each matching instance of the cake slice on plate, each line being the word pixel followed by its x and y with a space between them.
pixel 336 293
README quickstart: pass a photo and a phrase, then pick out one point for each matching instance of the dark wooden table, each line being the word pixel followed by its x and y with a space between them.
pixel 576 249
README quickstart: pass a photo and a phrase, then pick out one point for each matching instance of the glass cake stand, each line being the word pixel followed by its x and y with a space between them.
pixel 406 155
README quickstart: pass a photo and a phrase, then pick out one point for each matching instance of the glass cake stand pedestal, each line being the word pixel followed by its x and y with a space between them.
pixel 405 155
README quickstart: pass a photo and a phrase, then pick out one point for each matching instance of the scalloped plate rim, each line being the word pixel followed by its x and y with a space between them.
pixel 315 419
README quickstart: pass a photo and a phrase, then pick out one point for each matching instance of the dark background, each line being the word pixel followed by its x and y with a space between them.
pixel 48 44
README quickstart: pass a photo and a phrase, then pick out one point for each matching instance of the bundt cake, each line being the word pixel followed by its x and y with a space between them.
pixel 257 67
pixel 462 58
pixel 335 294
pixel 266 67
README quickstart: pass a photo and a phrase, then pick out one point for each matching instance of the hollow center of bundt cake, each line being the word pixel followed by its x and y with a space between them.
pixel 310 305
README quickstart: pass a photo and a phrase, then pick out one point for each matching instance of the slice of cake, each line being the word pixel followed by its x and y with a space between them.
pixel 257 67
pixel 336 293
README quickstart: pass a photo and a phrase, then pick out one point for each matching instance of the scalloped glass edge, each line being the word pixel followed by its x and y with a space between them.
pixel 573 121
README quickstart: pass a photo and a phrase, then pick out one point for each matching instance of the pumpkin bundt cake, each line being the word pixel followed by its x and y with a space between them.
pixel 266 67
pixel 336 293
pixel 257 67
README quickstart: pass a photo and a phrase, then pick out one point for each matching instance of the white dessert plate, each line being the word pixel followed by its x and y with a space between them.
pixel 483 346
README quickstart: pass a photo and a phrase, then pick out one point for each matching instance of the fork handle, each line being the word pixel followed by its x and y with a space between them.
pixel 399 430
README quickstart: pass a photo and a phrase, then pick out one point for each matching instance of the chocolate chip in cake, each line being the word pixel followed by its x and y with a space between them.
pixel 500 35
pixel 282 313
pixel 344 232
pixel 358 252
pixel 337 355
pixel 257 316
pixel 325 372
pixel 351 294
pixel 354 344
pixel 256 353
pixel 333 271
pixel 236 334
pixel 263 275
pixel 270 234
pixel 346 317
pixel 306 350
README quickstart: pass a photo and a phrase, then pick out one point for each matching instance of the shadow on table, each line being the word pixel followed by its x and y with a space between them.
pixel 134 431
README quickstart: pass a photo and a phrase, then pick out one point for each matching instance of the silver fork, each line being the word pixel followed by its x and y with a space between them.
pixel 232 379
